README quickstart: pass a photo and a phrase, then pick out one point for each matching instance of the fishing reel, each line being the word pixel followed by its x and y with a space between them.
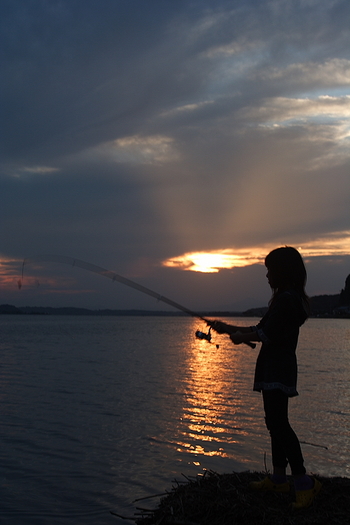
pixel 203 335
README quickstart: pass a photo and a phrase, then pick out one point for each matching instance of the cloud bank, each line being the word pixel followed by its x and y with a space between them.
pixel 137 132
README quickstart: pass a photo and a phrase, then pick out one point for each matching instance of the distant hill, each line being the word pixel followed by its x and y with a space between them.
pixel 47 310
pixel 321 306
pixel 324 305
pixel 9 309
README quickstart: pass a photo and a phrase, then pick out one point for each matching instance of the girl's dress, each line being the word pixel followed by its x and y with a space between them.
pixel 276 366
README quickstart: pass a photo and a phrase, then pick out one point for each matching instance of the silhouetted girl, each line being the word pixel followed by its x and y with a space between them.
pixel 276 369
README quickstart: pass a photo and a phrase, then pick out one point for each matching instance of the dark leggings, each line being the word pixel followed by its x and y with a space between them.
pixel 284 442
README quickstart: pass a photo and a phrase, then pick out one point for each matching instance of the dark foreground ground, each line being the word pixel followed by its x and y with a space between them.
pixel 225 499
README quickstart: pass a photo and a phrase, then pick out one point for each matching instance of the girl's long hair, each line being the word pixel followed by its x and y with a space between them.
pixel 287 271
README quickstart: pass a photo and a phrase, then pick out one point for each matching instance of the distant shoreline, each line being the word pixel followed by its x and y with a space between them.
pixel 43 310
pixel 322 307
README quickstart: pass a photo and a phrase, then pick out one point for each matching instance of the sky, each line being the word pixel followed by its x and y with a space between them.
pixel 174 142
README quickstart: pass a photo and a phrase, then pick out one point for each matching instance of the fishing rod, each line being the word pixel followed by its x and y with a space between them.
pixel 118 278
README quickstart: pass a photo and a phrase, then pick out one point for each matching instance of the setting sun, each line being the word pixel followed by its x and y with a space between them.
pixel 337 244
pixel 211 262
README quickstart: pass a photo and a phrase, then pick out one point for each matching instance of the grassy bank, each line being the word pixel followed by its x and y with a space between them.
pixel 226 499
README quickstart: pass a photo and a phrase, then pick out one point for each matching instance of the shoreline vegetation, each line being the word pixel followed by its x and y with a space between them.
pixel 332 306
pixel 321 306
pixel 226 499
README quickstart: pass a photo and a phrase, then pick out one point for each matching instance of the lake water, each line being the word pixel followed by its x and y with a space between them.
pixel 99 411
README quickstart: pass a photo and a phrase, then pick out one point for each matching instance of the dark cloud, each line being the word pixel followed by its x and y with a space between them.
pixel 138 131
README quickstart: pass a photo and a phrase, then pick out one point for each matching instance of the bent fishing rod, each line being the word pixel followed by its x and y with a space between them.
pixel 118 278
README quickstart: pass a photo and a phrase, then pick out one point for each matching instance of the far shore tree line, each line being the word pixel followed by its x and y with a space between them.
pixel 337 305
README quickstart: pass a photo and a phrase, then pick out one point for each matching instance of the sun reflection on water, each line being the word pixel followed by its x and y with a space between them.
pixel 210 421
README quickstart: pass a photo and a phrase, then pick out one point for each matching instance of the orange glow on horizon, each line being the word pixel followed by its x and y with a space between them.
pixel 11 280
pixel 212 262
pixel 337 244
pixel 8 273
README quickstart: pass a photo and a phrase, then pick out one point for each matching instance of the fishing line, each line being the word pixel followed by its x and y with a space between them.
pixel 118 278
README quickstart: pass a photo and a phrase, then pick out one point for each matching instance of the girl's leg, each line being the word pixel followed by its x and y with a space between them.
pixel 286 449
pixel 285 445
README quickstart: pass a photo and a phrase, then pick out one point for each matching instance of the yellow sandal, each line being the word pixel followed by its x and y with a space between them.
pixel 268 484
pixel 304 498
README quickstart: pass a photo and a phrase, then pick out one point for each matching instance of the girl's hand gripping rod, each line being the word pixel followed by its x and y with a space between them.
pixel 221 328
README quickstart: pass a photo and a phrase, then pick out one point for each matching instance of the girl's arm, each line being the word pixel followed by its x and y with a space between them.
pixel 223 328
pixel 246 336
